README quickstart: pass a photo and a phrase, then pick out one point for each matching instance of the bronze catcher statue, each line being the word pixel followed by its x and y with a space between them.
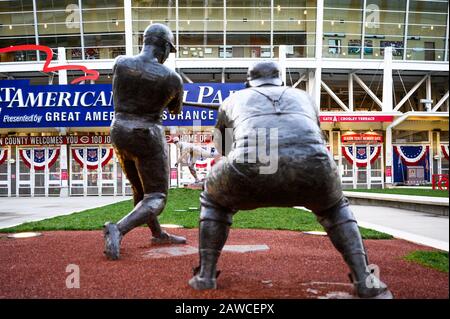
pixel 304 175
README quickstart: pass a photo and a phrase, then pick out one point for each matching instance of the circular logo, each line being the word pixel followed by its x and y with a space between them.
pixel 84 139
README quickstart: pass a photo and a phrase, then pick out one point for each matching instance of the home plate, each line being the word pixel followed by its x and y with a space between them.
pixel 177 251
pixel 245 248
pixel 317 233
pixel 171 226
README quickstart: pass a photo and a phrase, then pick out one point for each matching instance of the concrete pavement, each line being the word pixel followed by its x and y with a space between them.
pixel 421 228
pixel 15 211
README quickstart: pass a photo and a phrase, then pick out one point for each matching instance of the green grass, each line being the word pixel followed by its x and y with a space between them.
pixel 262 218
pixel 405 191
pixel 432 259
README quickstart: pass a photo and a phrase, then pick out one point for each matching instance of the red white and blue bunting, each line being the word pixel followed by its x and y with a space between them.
pixel 3 155
pixel 411 155
pixel 92 158
pixel 444 148
pixel 360 158
pixel 39 157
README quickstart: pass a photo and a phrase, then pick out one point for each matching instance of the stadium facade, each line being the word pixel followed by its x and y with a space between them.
pixel 376 69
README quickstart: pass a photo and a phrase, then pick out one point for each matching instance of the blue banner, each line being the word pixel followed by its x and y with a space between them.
pixel 417 156
pixel 91 105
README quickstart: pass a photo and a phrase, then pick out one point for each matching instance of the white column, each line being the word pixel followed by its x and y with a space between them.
pixel 62 74
pixel 317 87
pixel 64 172
pixel 282 62
pixel 319 29
pixel 350 92
pixel 8 165
pixel 271 30
pixel 363 29
pixel 431 155
pixel 428 105
pixel 17 171
pixel 177 28
pixel 388 157
pixel 405 34
pixel 36 32
pixel 318 53
pixel 83 50
pixel 128 28
pixel 446 37
pixel 387 80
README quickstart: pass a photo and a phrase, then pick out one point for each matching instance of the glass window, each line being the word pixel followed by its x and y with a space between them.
pixel 201 28
pixel 248 28
pixel 294 25
pixel 410 136
pixel 427 23
pixel 59 25
pixel 17 28
pixel 145 12
pixel 342 26
pixel 103 28
pixel 384 27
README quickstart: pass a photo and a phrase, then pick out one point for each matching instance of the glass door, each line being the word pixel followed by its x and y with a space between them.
pixel 376 166
pixel 78 171
pixel 108 171
pixel 348 169
pixel 24 172
pixel 5 171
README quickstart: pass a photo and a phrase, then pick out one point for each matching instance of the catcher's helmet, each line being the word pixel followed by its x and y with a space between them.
pixel 266 72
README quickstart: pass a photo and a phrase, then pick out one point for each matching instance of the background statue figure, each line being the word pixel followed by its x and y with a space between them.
pixel 306 175
pixel 191 153
pixel 142 88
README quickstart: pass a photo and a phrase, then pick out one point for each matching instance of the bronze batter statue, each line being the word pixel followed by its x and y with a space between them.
pixel 306 175
pixel 142 88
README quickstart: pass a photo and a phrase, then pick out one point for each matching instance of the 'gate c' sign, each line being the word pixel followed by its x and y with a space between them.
pixel 90 74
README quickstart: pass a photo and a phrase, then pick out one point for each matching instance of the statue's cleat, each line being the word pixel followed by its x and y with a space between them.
pixel 113 238
pixel 372 288
pixel 166 238
pixel 199 283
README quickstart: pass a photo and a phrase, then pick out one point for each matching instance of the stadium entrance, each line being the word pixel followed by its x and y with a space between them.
pixel 361 160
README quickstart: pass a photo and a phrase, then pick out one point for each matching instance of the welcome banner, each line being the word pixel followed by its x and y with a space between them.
pixel 91 105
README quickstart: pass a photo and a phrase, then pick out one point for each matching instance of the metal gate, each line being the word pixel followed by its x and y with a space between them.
pixel 362 166
pixel 38 171
pixel 5 171
pixel 93 171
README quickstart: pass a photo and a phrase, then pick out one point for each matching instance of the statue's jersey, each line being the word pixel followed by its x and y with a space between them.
pixel 297 171
pixel 145 88
pixel 294 116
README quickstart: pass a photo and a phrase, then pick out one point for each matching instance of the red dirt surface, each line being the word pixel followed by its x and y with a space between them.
pixel 296 266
